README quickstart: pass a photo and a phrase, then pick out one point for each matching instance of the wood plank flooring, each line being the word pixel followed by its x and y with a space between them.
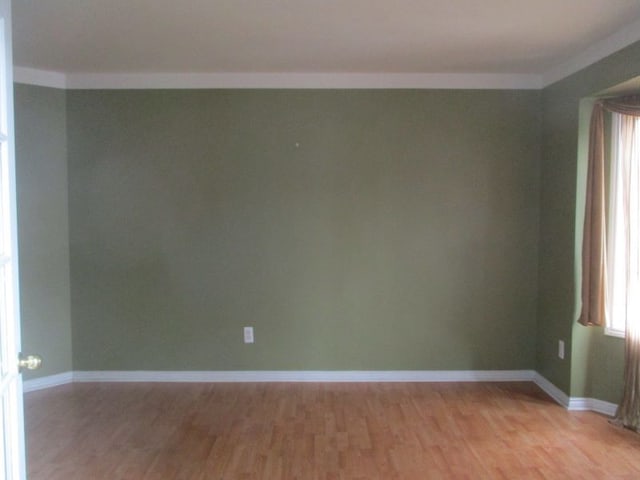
pixel 313 431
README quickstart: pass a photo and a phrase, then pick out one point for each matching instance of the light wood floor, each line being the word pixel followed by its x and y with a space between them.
pixel 319 431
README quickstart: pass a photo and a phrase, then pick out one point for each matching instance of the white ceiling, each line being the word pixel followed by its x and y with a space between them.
pixel 312 36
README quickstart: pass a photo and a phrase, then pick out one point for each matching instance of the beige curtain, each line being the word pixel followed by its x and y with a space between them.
pixel 627 261
pixel 594 231
pixel 594 262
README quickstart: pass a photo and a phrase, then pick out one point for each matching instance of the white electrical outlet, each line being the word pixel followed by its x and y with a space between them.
pixel 561 349
pixel 248 334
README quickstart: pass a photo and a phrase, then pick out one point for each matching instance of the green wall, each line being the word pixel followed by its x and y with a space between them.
pixel 41 183
pixel 353 229
pixel 594 364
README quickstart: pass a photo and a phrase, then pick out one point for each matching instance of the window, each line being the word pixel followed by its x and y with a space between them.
pixel 623 236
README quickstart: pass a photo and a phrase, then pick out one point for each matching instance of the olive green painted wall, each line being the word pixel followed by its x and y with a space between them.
pixel 353 229
pixel 594 363
pixel 41 183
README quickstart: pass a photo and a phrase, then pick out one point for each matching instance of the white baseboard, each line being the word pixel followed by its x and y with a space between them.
pixel 47 382
pixel 308 376
pixel 574 403
pixel 570 403
pixel 592 404
pixel 550 389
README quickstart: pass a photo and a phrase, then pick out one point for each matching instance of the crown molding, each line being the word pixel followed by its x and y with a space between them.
pixel 593 53
pixel 302 81
pixel 42 78
pixel 483 81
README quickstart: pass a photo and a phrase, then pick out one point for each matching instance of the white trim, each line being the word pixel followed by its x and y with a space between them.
pixel 611 332
pixel 43 78
pixel 307 376
pixel 590 55
pixel 570 403
pixel 593 53
pixel 278 80
pixel 550 389
pixel 574 403
pixel 303 80
pixel 47 382
pixel 592 404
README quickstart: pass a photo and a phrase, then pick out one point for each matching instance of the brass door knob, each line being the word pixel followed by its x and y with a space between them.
pixel 29 362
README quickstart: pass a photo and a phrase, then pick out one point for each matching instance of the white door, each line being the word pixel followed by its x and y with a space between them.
pixel 12 463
